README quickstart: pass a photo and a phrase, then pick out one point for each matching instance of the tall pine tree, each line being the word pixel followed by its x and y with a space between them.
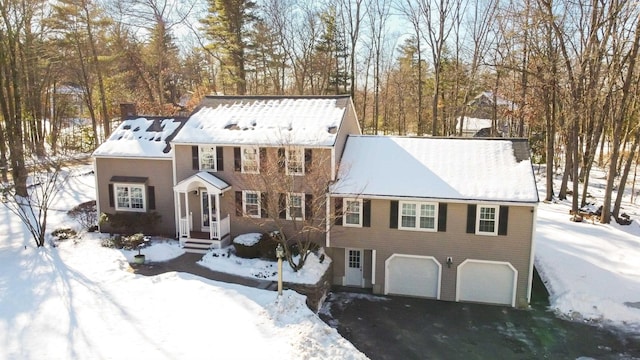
pixel 228 26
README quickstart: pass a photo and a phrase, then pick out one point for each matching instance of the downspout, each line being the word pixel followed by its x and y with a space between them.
pixel 532 256
pixel 95 173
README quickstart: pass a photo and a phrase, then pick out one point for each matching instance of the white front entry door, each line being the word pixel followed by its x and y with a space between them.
pixel 353 267
pixel 204 202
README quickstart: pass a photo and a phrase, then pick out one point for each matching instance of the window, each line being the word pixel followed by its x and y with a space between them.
pixel 130 197
pixel 295 161
pixel 250 159
pixel 418 216
pixel 295 206
pixel 487 218
pixel 207 156
pixel 251 204
pixel 352 212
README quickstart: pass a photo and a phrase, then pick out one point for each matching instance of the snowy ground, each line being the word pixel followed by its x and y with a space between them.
pixel 592 271
pixel 224 260
pixel 81 301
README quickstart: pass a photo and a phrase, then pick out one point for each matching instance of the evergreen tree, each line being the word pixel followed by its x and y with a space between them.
pixel 228 26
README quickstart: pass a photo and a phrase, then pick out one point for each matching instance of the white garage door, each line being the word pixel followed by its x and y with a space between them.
pixel 486 282
pixel 412 275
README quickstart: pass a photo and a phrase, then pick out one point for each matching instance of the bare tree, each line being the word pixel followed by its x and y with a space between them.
pixel 437 16
pixel 290 185
pixel 45 182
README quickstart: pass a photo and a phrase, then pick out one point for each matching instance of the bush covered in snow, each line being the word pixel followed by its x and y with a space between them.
pixel 131 242
pixel 255 245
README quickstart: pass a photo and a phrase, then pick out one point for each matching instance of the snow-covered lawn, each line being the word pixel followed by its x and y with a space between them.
pixel 81 301
pixel 224 260
pixel 592 271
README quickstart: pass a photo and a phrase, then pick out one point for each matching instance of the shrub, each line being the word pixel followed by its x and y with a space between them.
pixel 131 222
pixel 247 251
pixel 130 242
pixel 267 247
pixel 85 214
pixel 63 234
pixel 295 250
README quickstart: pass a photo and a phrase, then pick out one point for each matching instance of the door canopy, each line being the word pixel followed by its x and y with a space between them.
pixel 212 183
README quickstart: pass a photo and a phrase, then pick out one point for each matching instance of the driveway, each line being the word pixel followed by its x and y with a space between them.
pixel 409 328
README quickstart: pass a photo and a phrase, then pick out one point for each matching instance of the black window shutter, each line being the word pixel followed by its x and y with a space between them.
pixel 308 158
pixel 264 204
pixel 282 206
pixel 338 213
pixel 151 197
pixel 503 220
pixel 471 219
pixel 393 215
pixel 442 217
pixel 195 161
pixel 366 213
pixel 263 159
pixel 308 206
pixel 219 158
pixel 111 198
pixel 281 159
pixel 237 159
pixel 239 203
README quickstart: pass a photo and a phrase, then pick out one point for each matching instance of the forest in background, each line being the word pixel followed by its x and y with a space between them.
pixel 409 65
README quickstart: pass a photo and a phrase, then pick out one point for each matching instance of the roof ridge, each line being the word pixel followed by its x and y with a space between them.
pixel 258 97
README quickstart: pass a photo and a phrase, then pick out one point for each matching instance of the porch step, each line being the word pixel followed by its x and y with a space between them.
pixel 203 244
pixel 198 246
pixel 195 251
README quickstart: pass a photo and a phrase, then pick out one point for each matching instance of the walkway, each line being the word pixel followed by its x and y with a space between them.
pixel 187 263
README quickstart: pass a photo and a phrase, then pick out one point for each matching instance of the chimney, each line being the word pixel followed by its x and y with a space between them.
pixel 127 110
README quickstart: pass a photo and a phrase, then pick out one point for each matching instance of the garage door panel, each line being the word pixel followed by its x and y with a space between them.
pixel 413 276
pixel 486 282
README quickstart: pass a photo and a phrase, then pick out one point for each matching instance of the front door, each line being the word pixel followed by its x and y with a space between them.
pixel 353 268
pixel 204 201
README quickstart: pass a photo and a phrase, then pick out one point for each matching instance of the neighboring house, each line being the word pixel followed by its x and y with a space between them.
pixel 441 218
pixel 449 219
pixel 480 113
pixel 471 126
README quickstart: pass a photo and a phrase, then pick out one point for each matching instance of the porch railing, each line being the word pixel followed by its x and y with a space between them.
pixel 225 226
pixel 185 225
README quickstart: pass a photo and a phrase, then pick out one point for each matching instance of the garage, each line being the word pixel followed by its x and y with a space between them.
pixel 412 275
pixel 490 282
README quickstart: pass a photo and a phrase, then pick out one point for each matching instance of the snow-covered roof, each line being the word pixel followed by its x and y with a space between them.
pixel 438 168
pixel 141 137
pixel 486 97
pixel 473 124
pixel 217 185
pixel 265 120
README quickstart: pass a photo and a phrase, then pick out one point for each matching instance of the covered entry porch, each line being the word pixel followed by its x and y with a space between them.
pixel 201 223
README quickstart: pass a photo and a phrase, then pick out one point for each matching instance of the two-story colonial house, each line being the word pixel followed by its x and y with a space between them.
pixel 441 218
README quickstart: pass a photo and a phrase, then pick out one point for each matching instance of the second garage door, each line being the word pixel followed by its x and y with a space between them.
pixel 486 282
pixel 412 275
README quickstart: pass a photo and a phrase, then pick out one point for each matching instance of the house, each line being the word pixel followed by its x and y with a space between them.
pixel 471 126
pixel 442 218
pixel 218 169
pixel 481 111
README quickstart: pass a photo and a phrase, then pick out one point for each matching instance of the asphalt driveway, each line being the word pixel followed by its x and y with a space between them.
pixel 409 328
